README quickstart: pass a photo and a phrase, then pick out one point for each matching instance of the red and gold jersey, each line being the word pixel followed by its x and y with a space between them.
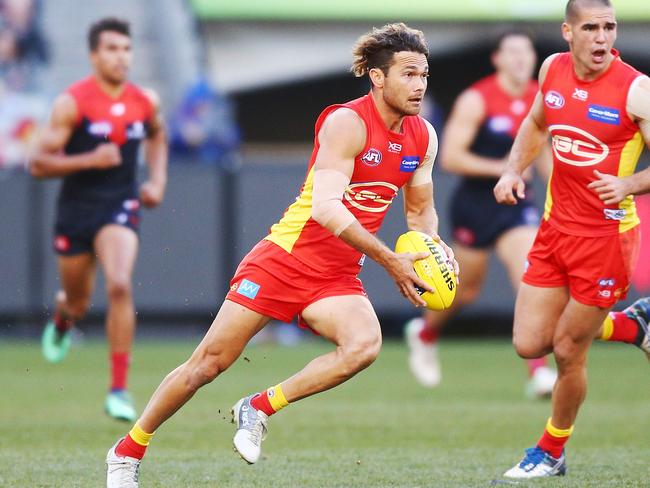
pixel 591 129
pixel 386 163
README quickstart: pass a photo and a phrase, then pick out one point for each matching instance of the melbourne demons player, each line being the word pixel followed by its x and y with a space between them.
pixel 92 141
pixel 364 152
pixel 477 140
pixel 597 110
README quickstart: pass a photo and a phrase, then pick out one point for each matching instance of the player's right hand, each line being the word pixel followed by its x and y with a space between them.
pixel 107 155
pixel 510 184
pixel 400 268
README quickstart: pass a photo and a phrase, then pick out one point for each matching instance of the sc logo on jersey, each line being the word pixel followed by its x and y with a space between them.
pixel 373 196
pixel 577 147
pixel 372 157
pixel 554 100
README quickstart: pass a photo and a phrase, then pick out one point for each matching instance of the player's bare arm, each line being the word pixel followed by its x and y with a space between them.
pixel 341 138
pixel 610 188
pixel 152 191
pixel 528 144
pixel 459 134
pixel 48 160
pixel 419 207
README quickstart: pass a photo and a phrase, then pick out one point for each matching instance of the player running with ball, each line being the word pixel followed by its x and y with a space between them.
pixel 597 110
pixel 364 152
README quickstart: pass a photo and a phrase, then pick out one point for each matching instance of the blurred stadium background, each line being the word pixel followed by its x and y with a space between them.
pixel 242 84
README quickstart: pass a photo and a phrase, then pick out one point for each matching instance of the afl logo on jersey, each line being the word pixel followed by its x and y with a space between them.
pixel 554 100
pixel 373 196
pixel 577 147
pixel 372 157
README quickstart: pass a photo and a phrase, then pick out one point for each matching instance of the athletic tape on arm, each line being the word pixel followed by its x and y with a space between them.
pixel 327 207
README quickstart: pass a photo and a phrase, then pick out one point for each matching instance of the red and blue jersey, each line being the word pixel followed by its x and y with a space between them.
pixel 125 121
pixel 386 163
pixel 591 130
pixel 503 115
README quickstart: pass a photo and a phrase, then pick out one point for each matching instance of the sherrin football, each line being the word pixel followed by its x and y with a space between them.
pixel 436 270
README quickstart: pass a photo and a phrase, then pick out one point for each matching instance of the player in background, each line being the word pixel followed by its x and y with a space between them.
pixel 475 144
pixel 597 110
pixel 364 152
pixel 92 141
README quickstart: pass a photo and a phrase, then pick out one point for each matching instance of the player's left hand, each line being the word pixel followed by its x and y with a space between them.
pixel 450 255
pixel 151 194
pixel 610 189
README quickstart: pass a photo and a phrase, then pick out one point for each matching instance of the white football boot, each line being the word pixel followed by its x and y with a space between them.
pixel 423 357
pixel 251 429
pixel 122 471
pixel 541 383
pixel 537 463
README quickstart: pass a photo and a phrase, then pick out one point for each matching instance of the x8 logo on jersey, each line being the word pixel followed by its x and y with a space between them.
pixel 577 147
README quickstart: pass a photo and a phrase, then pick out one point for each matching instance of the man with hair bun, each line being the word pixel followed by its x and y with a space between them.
pixel 597 111
pixel 365 150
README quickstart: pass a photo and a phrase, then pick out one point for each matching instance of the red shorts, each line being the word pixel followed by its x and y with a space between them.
pixel 274 283
pixel 597 270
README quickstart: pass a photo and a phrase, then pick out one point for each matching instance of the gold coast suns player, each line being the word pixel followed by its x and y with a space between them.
pixel 597 111
pixel 364 152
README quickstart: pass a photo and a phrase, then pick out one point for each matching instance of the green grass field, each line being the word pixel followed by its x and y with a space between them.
pixel 378 430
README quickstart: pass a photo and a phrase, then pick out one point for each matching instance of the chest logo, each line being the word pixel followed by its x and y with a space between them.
pixel 394 147
pixel 372 157
pixel 135 131
pixel 579 94
pixel 118 109
pixel 606 115
pixel 374 196
pixel 554 100
pixel 501 123
pixel 518 107
pixel 577 147
pixel 100 129
pixel 409 164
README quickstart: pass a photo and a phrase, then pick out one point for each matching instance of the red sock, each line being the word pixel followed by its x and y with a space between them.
pixel 429 335
pixel 261 402
pixel 624 329
pixel 62 323
pixel 119 370
pixel 534 364
pixel 552 444
pixel 128 447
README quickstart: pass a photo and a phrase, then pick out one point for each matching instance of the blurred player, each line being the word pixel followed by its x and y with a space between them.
pixel 364 152
pixel 92 141
pixel 476 143
pixel 597 110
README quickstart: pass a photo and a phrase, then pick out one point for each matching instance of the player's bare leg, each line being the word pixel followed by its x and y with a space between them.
pixel 422 332
pixel 512 249
pixel 573 336
pixel 537 312
pixel 547 319
pixel 347 321
pixel 77 274
pixel 229 333
pixel 231 330
pixel 351 324
pixel 117 248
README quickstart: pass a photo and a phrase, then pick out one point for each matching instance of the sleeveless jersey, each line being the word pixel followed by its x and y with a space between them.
pixel 503 117
pixel 386 163
pixel 125 121
pixel 590 130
